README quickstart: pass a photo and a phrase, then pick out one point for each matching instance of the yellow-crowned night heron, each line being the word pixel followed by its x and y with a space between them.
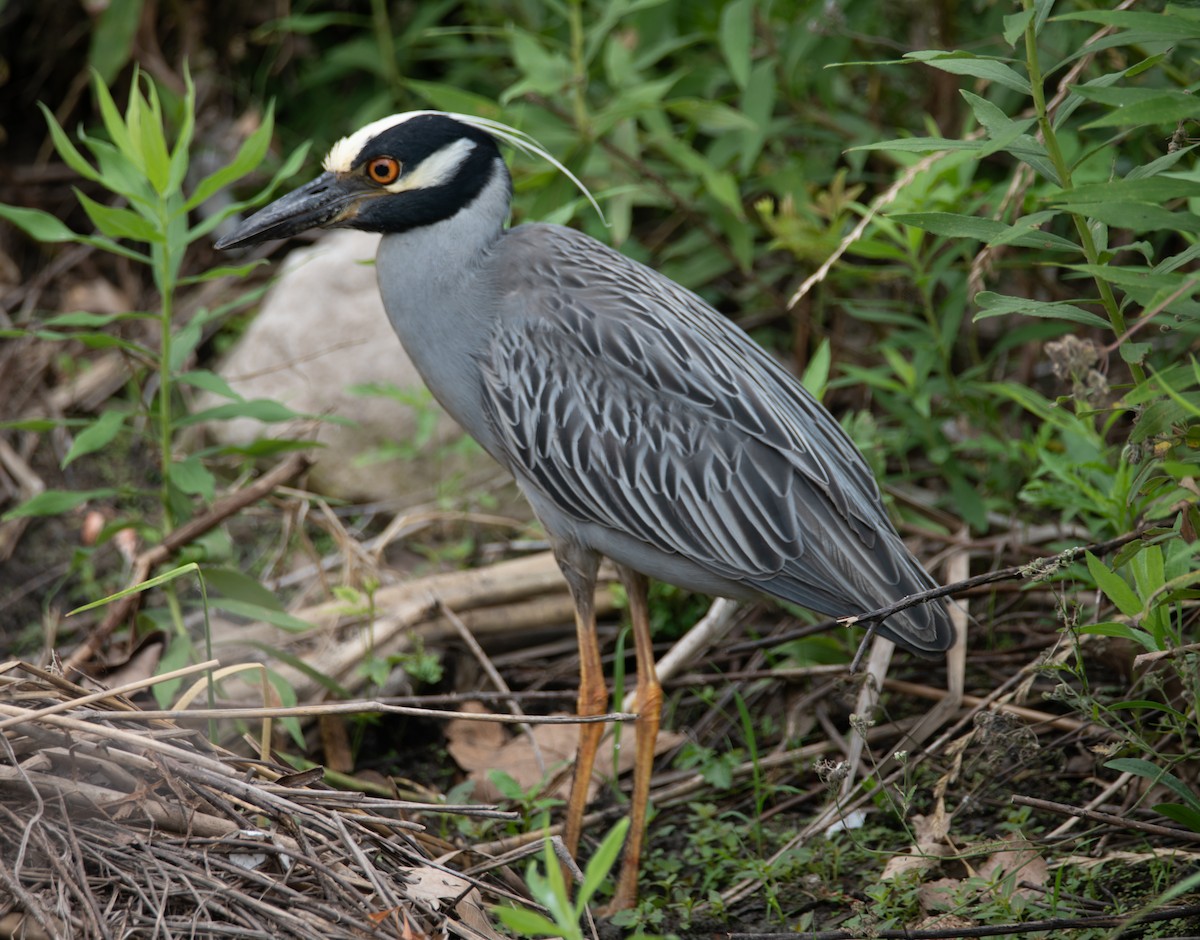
pixel 639 422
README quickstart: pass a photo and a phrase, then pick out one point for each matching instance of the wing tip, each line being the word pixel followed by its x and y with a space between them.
pixel 925 629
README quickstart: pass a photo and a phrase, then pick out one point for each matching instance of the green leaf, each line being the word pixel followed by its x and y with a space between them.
pixel 723 187
pixel 995 305
pixel 71 156
pixel 1033 153
pixel 112 37
pixel 181 154
pixel 526 922
pixel 1143 217
pixel 319 678
pixel 735 38
pixel 816 373
pixel 965 63
pixel 1147 705
pixel 190 568
pixel 1156 189
pixel 543 72
pixel 601 862
pixel 288 169
pixel 1131 277
pixel 145 121
pixel 266 614
pixel 192 477
pixel 1112 628
pixel 1162 108
pixel 38 224
pixel 757 103
pixel 266 410
pixel 122 174
pixel 1168 28
pixel 1036 404
pixel 450 98
pixel 96 435
pixel 1014 26
pixel 39 425
pixel 1001 129
pixel 1115 588
pixel 114 124
pixel 249 156
pixel 209 382
pixel 185 342
pixel 98 341
pixel 712 117
pixel 1149 570
pixel 1135 353
pixel 1184 815
pixel 1155 774
pixel 212 274
pixel 922 145
pixel 85 318
pixel 508 787
pixel 265 448
pixel 989 231
pixel 118 223
pixel 305 24
pixel 238 585
pixel 53 502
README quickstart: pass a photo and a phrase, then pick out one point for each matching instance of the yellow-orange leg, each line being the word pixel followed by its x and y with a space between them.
pixel 580 573
pixel 649 707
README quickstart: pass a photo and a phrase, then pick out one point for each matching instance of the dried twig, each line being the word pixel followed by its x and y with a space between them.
pixel 1110 819
pixel 154 830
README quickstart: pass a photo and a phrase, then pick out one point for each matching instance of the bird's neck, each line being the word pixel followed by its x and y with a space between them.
pixel 435 286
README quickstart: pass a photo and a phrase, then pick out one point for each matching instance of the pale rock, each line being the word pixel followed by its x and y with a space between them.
pixel 321 330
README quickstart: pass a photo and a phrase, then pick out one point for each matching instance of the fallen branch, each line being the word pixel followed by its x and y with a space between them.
pixel 509 598
pixel 1029 715
pixel 1121 822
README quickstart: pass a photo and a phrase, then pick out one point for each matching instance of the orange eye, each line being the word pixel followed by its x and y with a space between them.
pixel 384 170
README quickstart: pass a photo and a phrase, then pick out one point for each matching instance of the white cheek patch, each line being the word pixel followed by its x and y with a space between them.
pixel 435 169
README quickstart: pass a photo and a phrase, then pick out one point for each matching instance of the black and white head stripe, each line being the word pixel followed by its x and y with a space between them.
pixel 434 158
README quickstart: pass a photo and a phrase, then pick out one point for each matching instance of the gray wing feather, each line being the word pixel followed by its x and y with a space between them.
pixel 633 405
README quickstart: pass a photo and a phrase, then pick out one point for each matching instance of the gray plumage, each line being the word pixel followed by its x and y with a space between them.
pixel 639 422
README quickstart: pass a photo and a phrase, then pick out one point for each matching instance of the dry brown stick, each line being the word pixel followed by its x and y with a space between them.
pixel 89 796
pixel 1031 715
pixel 1111 819
pixel 71 704
pixel 474 594
pixel 359 707
pixel 191 530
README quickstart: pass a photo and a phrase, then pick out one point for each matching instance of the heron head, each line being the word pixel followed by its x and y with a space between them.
pixel 399 173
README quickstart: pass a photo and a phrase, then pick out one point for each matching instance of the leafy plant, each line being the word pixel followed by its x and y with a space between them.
pixel 142 164
pixel 550 890
pixel 1186 812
